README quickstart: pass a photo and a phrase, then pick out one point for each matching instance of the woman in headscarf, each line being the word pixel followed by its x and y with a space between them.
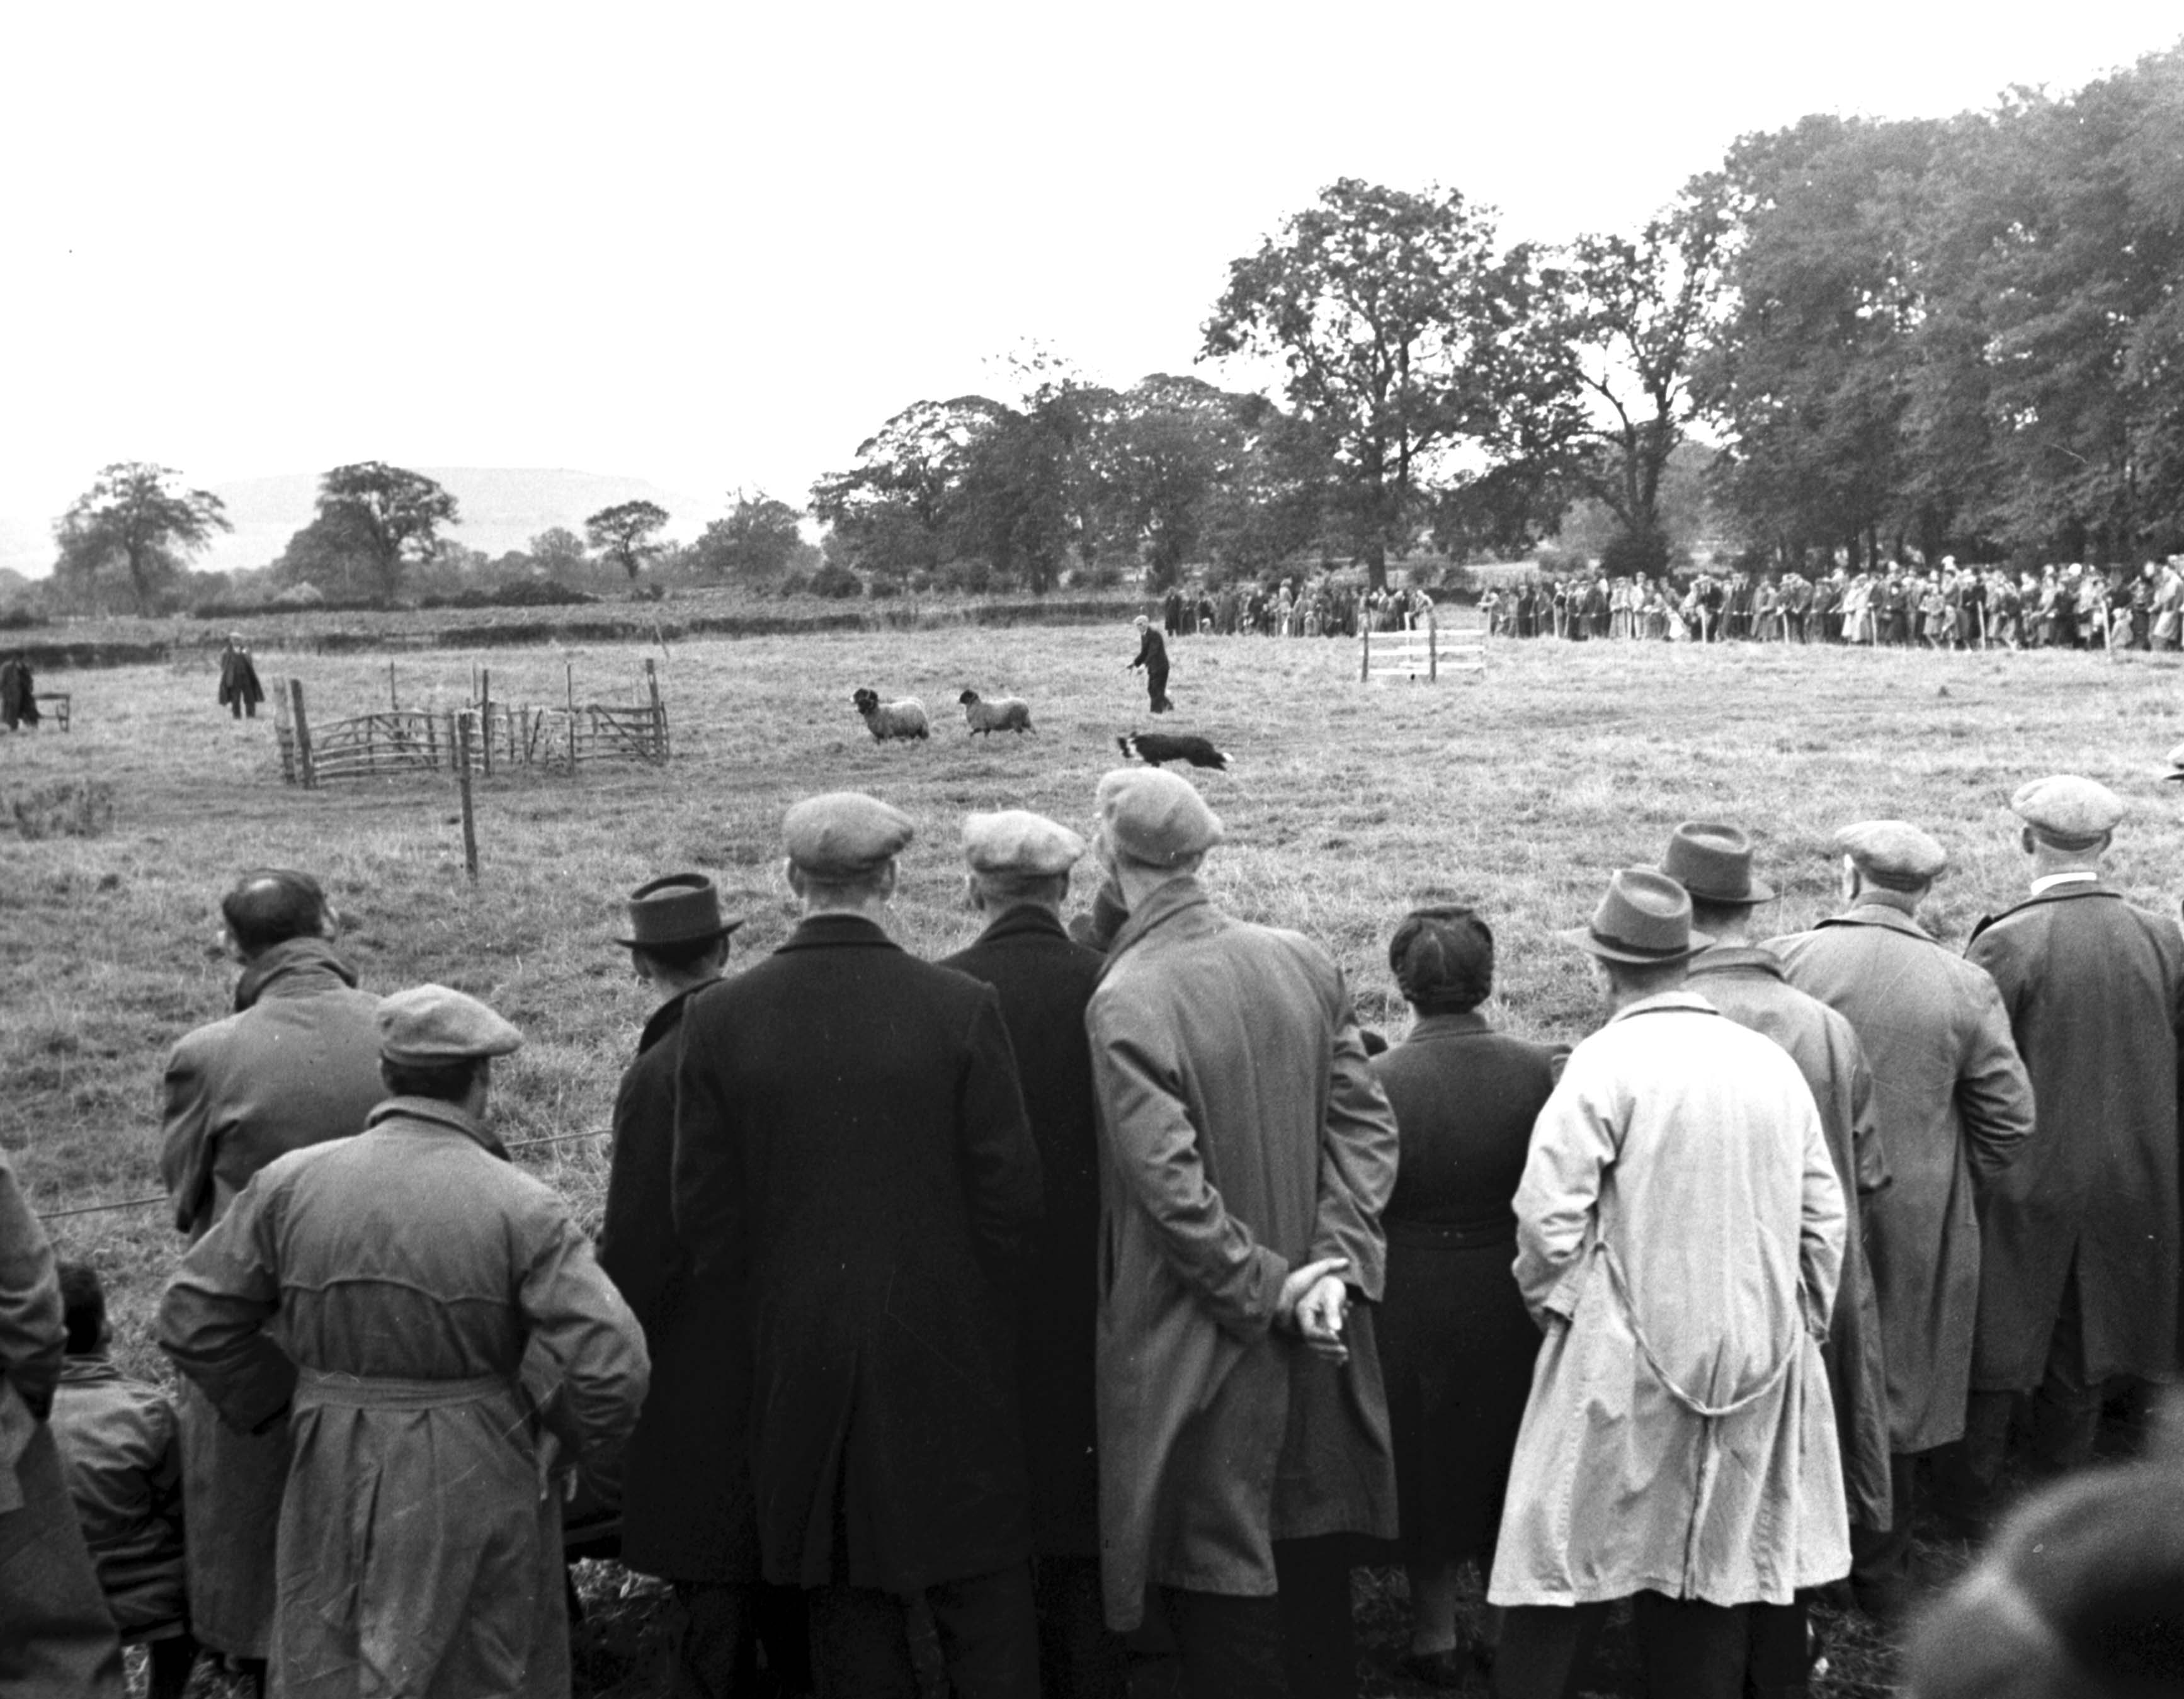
pixel 1456 1343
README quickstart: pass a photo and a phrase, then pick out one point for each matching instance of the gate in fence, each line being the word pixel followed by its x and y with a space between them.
pixel 1422 655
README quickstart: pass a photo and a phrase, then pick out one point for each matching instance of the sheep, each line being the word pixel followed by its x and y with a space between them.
pixel 1002 714
pixel 903 719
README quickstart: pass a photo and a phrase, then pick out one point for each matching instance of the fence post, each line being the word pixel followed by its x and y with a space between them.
pixel 462 753
pixel 659 714
pixel 485 714
pixel 1365 653
pixel 284 734
pixel 1433 649
pixel 303 734
pixel 393 696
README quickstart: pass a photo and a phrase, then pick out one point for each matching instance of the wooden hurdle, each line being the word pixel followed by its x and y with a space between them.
pixel 1420 656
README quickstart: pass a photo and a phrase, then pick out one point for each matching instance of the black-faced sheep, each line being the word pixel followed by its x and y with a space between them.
pixel 903 719
pixel 1152 748
pixel 1002 714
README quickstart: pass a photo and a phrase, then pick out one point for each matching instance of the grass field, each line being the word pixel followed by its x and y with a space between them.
pixel 1346 806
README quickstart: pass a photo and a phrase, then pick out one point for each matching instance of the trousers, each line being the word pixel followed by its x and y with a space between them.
pixel 1688 1648
pixel 1298 1642
pixel 988 1629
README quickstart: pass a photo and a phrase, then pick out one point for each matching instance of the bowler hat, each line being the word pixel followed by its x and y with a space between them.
pixel 1712 862
pixel 676 908
pixel 1644 919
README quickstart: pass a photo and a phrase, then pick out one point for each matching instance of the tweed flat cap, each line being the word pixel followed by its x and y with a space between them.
pixel 1151 815
pixel 844 834
pixel 2070 812
pixel 1895 852
pixel 1017 841
pixel 429 1025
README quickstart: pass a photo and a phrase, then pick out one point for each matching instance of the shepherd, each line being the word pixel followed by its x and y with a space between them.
pixel 1152 656
pixel 240 692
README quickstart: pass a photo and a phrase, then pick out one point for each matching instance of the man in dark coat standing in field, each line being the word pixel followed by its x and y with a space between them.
pixel 1152 656
pixel 1019 878
pixel 1954 1109
pixel 2079 1285
pixel 1244 1436
pixel 296 1063
pixel 240 692
pixel 853 1165
pixel 687 1512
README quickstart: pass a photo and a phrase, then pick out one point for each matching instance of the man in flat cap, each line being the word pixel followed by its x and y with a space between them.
pixel 1244 1435
pixel 853 1166
pixel 430 1326
pixel 1019 866
pixel 295 1064
pixel 2081 1235
pixel 1152 656
pixel 1680 1235
pixel 1955 1109
pixel 1712 861
pixel 687 1512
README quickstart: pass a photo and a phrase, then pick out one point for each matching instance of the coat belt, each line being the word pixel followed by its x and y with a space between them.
pixel 316 1386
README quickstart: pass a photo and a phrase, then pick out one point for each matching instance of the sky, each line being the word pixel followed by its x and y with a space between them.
pixel 714 246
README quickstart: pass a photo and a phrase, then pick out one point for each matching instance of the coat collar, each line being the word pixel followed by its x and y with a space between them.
pixel 1666 1003
pixel 2076 891
pixel 667 1018
pixel 1427 1028
pixel 300 967
pixel 835 931
pixel 88 1368
pixel 1178 897
pixel 1737 958
pixel 1881 914
pixel 429 1114
pixel 1023 920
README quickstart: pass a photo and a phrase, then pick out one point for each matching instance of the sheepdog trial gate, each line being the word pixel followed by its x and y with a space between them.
pixel 1421 654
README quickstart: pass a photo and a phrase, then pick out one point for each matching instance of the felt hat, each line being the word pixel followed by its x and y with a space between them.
pixel 430 1026
pixel 1015 840
pixel 844 834
pixel 1644 919
pixel 1893 853
pixel 2070 812
pixel 2175 763
pixel 675 908
pixel 1152 816
pixel 1712 862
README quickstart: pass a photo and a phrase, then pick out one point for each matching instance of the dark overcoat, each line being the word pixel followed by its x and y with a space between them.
pixel 1045 981
pixel 2095 991
pixel 238 681
pixel 686 1505
pixel 852 1159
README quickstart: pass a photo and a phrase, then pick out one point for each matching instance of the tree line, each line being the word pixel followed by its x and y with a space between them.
pixel 1855 339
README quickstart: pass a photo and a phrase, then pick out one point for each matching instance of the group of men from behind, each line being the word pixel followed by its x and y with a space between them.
pixel 1039 1282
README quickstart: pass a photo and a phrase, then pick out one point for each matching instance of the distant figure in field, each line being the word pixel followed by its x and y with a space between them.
pixel 19 698
pixel 122 1456
pixel 1152 656
pixel 240 692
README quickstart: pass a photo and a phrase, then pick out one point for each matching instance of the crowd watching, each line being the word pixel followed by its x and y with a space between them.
pixel 1098 1297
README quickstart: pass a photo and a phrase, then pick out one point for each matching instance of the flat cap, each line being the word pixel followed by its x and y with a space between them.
pixel 1151 815
pixel 429 1025
pixel 844 834
pixel 2175 763
pixel 2070 812
pixel 1895 852
pixel 1017 841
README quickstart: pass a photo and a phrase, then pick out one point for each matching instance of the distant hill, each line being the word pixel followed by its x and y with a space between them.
pixel 502 508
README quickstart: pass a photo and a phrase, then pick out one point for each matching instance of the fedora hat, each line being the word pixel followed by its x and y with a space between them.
pixel 1644 919
pixel 678 908
pixel 1712 861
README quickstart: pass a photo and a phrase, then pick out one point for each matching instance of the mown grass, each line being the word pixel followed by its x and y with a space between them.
pixel 1346 806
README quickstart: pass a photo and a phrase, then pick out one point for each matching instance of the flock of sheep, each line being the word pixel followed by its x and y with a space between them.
pixel 908 720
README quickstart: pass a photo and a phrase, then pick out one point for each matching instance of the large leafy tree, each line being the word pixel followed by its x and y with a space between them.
pixel 135 516
pixel 896 510
pixel 1392 316
pixel 391 516
pixel 759 539
pixel 625 531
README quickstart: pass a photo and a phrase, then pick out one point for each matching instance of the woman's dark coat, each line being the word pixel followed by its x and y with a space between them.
pixel 853 1163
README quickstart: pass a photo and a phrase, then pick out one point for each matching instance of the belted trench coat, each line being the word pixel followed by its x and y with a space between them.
pixel 1243 1134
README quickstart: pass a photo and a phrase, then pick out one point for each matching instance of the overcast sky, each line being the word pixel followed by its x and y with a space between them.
pixel 716 245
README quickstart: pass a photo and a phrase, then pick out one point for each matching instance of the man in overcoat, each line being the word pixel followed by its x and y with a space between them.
pixel 2081 1235
pixel 431 1327
pixel 686 1510
pixel 1712 862
pixel 853 1163
pixel 240 692
pixel 57 1638
pixel 1152 656
pixel 1955 1109
pixel 1249 1153
pixel 296 1064
pixel 1018 877
pixel 1680 1235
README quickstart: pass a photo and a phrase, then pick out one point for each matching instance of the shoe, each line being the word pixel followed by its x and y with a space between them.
pixel 1447 1668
